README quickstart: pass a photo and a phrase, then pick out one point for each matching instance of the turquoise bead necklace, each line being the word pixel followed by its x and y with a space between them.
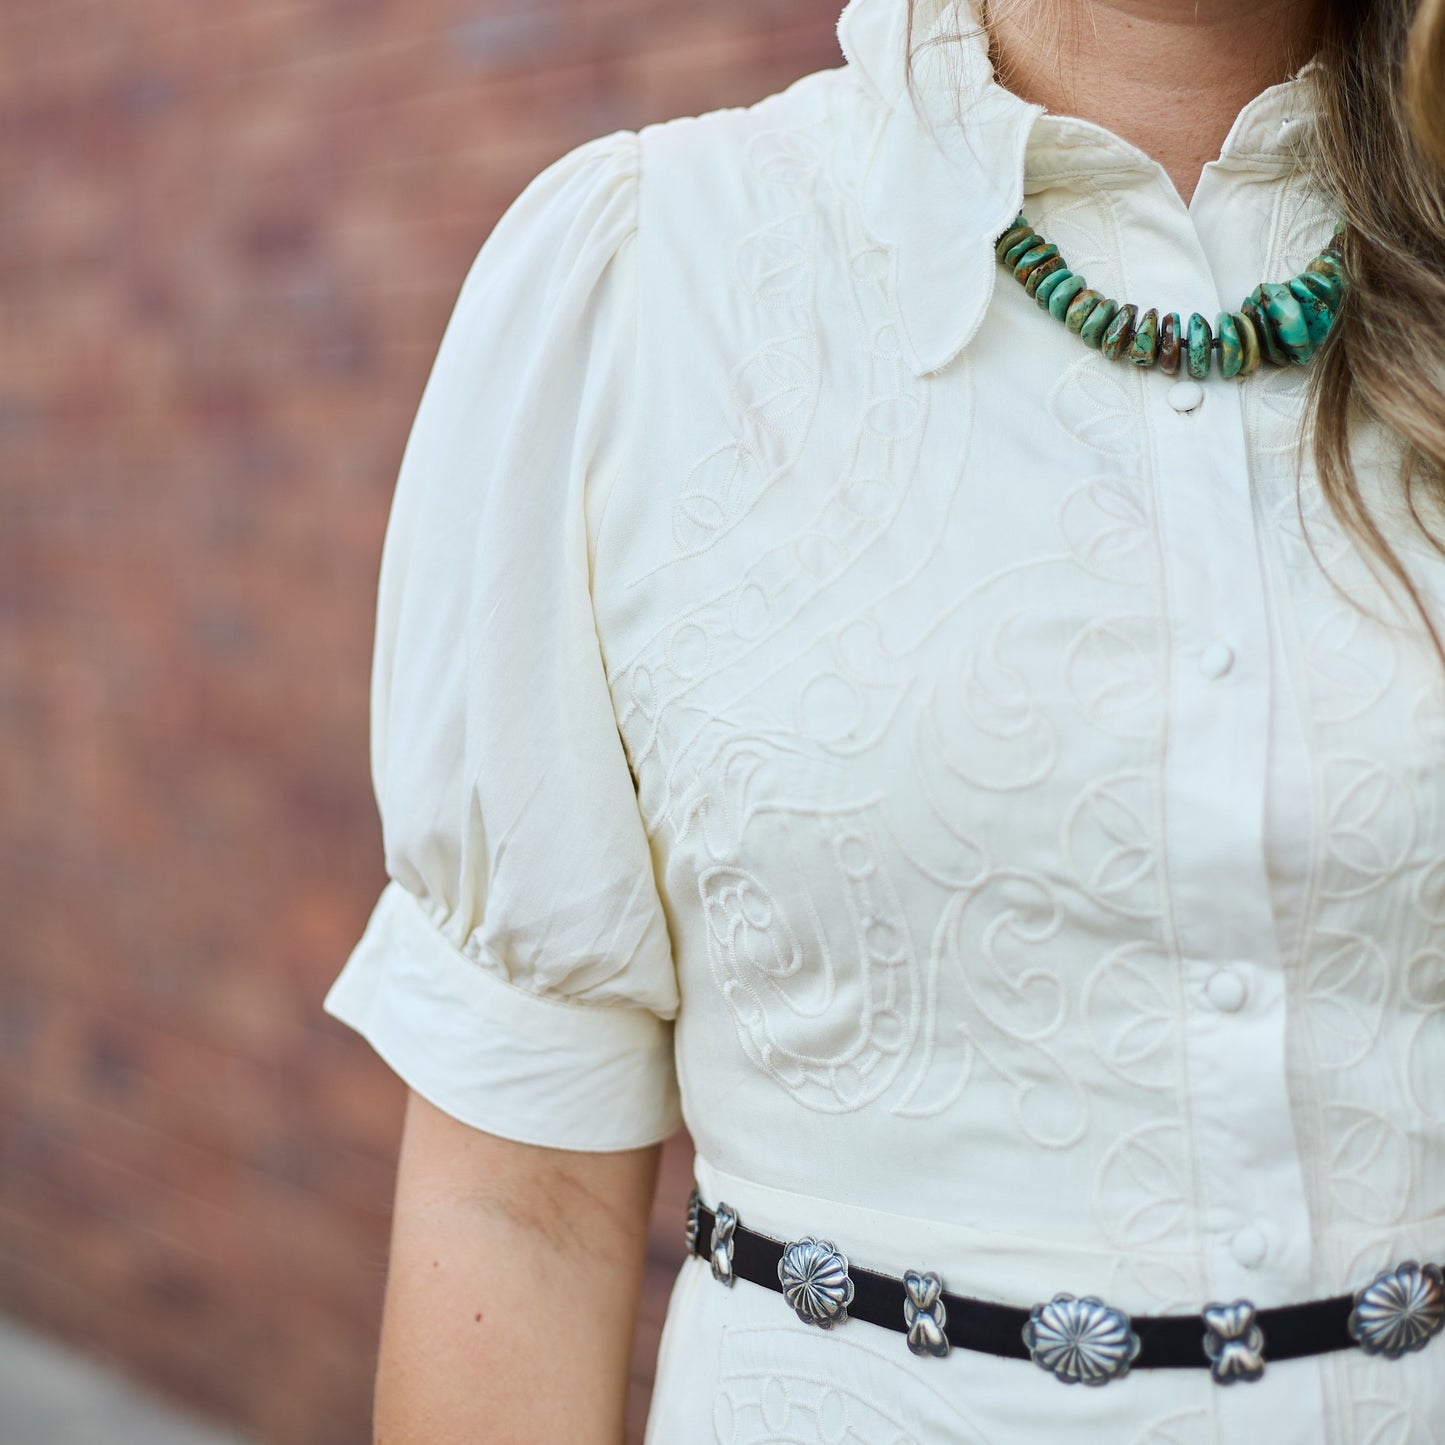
pixel 1281 323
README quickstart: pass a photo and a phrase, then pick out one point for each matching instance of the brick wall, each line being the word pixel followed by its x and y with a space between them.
pixel 230 236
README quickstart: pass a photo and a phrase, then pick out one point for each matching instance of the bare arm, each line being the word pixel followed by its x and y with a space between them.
pixel 512 1289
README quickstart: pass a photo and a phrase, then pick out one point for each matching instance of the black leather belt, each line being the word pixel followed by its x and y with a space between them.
pixel 1080 1341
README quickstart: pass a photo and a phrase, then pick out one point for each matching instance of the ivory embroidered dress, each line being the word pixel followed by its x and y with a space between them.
pixel 817 697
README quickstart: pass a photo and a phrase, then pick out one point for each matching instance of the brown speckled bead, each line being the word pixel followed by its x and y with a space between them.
pixel 1080 309
pixel 1091 333
pixel 1120 333
pixel 1169 344
pixel 1144 349
pixel 1041 273
pixel 1034 256
pixel 1016 253
pixel 1328 263
pixel 1010 239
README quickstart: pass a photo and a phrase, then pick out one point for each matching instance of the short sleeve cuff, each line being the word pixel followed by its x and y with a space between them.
pixel 532 1069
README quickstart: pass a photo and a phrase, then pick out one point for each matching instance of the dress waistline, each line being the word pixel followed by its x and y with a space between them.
pixel 1078 1341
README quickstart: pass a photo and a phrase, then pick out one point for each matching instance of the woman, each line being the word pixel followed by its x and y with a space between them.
pixel 984 774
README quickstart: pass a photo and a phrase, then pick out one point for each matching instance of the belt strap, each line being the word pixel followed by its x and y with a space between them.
pixel 1163 1341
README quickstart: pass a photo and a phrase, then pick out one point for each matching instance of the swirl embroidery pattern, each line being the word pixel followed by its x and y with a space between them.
pixel 1058 858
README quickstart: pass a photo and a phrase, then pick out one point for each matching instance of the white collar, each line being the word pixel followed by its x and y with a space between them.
pixel 940 193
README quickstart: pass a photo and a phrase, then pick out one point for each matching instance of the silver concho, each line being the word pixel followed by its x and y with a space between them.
pixel 694 1221
pixel 1081 1341
pixel 1233 1342
pixel 814 1276
pixel 725 1221
pixel 1401 1310
pixel 924 1314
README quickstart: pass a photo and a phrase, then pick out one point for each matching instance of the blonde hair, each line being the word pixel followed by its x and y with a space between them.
pixel 1379 157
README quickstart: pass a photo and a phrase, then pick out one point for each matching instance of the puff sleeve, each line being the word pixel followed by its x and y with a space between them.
pixel 517 969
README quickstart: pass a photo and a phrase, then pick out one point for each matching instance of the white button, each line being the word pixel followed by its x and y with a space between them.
pixel 1185 396
pixel 1216 659
pixel 1226 991
pixel 1249 1247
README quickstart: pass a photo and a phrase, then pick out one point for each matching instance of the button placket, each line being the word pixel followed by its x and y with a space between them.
pixel 1254 1215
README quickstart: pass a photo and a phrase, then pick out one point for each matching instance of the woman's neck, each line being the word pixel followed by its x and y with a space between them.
pixel 1170 76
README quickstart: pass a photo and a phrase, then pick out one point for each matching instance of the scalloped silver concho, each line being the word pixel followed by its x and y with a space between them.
pixel 1081 1341
pixel 814 1276
pixel 694 1221
pixel 1400 1310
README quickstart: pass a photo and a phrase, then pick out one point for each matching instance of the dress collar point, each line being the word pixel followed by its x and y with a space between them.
pixel 938 187
pixel 945 282
pixel 941 207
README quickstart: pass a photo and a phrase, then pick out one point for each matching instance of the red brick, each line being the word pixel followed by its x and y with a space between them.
pixel 230 240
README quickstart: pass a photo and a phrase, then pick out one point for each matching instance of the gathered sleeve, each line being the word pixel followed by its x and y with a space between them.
pixel 517 970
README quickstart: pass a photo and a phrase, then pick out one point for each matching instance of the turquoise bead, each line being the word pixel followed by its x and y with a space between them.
pixel 1019 231
pixel 1026 263
pixel 1014 254
pixel 1325 287
pixel 1120 333
pixel 1042 272
pixel 1091 333
pixel 1290 328
pixel 1081 308
pixel 1319 311
pixel 1063 297
pixel 1144 348
pixel 1231 348
pixel 1253 307
pixel 1199 340
pixel 1328 263
pixel 1049 285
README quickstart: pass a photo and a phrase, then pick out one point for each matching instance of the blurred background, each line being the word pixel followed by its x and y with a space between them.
pixel 230 237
